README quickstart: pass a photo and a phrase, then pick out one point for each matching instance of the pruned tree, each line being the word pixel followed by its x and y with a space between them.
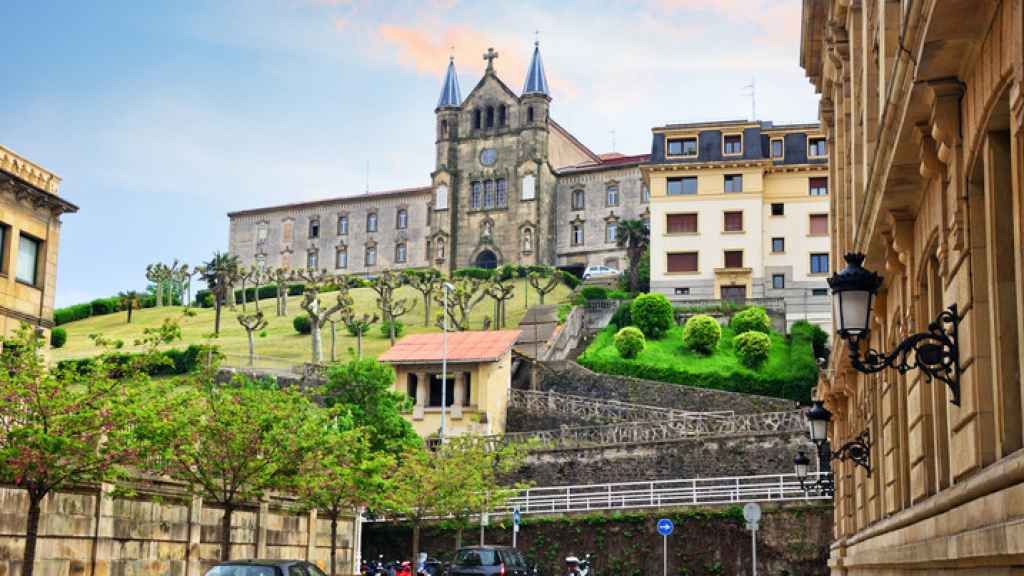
pixel 391 308
pixel 342 476
pixel 129 302
pixel 185 274
pixel 314 280
pixel 460 302
pixel 427 282
pixel 357 325
pixel 259 278
pixel 500 288
pixel 67 428
pixel 171 280
pixel 157 274
pixel 635 237
pixel 545 281
pixel 252 323
pixel 231 444
pixel 245 276
pixel 281 277
pixel 217 273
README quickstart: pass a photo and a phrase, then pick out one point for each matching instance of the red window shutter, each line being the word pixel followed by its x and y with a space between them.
pixel 681 223
pixel 682 262
pixel 819 224
pixel 734 221
pixel 733 259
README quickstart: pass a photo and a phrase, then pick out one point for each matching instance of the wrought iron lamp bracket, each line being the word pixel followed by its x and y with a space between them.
pixel 857 451
pixel 935 352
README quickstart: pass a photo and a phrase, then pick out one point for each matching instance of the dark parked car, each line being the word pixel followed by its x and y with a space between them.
pixel 490 561
pixel 265 568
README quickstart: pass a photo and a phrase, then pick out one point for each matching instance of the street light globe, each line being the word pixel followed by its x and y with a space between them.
pixel 818 418
pixel 801 465
pixel 852 291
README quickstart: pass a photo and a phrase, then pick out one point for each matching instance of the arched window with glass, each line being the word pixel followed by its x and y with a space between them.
pixel 527 188
pixel 400 252
pixel 488 194
pixel 402 219
pixel 502 192
pixel 474 195
pixel 441 197
pixel 371 222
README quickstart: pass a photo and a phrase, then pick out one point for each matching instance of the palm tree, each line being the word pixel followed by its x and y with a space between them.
pixel 218 274
pixel 129 302
pixel 635 237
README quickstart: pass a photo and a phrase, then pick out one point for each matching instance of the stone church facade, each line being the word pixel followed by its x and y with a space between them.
pixel 510 186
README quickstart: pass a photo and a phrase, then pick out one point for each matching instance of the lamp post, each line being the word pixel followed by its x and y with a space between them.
pixel 446 288
pixel 857 450
pixel 935 352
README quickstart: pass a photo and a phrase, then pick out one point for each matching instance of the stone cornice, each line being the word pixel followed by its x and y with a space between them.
pixel 32 173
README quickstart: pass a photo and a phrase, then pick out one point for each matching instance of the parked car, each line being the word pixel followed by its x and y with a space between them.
pixel 599 272
pixel 490 561
pixel 255 567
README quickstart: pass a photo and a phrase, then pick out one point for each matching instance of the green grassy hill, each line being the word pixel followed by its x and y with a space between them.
pixel 282 345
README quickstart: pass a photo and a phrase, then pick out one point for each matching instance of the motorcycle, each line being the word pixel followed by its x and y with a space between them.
pixel 586 566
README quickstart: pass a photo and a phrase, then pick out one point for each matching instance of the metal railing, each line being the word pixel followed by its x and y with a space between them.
pixel 690 426
pixel 594 409
pixel 660 493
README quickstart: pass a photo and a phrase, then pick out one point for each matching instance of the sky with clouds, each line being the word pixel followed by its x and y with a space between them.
pixel 163 116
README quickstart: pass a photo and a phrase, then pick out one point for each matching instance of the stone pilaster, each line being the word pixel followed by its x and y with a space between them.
pixel 103 542
pixel 311 525
pixel 193 559
pixel 262 515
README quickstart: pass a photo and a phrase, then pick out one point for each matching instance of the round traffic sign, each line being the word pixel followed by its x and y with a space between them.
pixel 665 526
pixel 752 513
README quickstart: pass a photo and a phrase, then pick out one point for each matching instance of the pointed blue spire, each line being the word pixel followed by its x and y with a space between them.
pixel 451 97
pixel 536 81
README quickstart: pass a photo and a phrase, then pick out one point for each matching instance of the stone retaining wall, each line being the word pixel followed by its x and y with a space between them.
pixel 159 532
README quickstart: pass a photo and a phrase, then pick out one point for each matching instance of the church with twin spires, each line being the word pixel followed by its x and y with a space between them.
pixel 510 186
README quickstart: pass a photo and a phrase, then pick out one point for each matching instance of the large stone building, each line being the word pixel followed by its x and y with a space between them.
pixel 504 189
pixel 30 211
pixel 739 210
pixel 923 105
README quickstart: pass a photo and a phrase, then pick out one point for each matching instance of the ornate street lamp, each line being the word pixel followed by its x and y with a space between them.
pixel 857 451
pixel 936 352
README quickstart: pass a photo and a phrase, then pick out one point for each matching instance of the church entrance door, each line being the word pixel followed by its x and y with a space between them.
pixel 486 259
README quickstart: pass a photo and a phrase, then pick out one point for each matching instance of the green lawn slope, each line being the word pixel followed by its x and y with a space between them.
pixel 282 346
pixel 789 372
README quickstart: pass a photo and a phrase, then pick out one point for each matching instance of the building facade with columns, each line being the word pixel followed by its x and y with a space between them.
pixel 922 102
pixel 502 191
pixel 30 211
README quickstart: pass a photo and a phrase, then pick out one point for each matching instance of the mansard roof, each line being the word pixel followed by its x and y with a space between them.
pixel 536 80
pixel 329 201
pixel 451 96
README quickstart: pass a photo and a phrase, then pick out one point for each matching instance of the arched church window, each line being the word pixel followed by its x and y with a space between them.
pixel 439 250
pixel 527 240
pixel 529 114
pixel 527 191
pixel 490 116
pixel 502 193
pixel 476 119
pixel 441 198
pixel 488 194
pixel 502 115
pixel 474 196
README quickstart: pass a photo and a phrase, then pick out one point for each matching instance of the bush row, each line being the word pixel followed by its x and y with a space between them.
pixel 97 307
pixel 181 361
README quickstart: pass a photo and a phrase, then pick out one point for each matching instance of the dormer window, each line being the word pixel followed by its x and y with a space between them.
pixel 816 148
pixel 732 145
pixel 685 147
pixel 778 149
pixel 490 116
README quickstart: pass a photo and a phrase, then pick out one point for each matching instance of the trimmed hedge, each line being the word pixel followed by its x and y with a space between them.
pixel 58 337
pixel 97 307
pixel 753 319
pixel 752 348
pixel 652 314
pixel 180 361
pixel 594 293
pixel 71 313
pixel 629 341
pixel 818 336
pixel 702 333
pixel 302 324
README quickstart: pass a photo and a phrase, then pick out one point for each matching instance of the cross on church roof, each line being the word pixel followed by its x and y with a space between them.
pixel 490 56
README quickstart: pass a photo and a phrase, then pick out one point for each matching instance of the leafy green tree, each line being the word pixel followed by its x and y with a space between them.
pixel 366 389
pixel 427 282
pixel 342 476
pixel 233 443
pixel 218 274
pixel 71 427
pixel 635 237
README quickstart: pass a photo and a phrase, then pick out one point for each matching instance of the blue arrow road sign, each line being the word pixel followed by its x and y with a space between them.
pixel 515 517
pixel 665 527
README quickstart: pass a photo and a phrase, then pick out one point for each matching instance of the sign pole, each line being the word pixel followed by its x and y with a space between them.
pixel 664 558
pixel 752 514
pixel 753 547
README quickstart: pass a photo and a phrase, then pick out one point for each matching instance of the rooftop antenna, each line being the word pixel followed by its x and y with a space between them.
pixel 612 132
pixel 752 87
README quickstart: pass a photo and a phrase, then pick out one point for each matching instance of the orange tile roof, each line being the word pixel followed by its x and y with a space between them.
pixel 463 347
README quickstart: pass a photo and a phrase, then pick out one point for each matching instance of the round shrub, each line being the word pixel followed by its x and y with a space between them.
pixel 752 348
pixel 652 314
pixel 302 324
pixel 594 293
pixel 385 328
pixel 629 341
pixel 753 319
pixel 701 333
pixel 58 336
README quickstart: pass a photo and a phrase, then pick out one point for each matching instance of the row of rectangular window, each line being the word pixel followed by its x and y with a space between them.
pixel 488 194
pixel 612 197
pixel 577 237
pixel 687 185
pixel 732 145
pixel 401 223
pixel 486 118
pixel 688 261
pixel 369 256
pixel 686 223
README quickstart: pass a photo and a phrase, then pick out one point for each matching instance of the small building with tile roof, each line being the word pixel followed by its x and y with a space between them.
pixel 479 377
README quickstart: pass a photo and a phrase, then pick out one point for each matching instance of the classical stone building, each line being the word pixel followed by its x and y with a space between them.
pixel 503 190
pixel 739 210
pixel 30 211
pixel 923 105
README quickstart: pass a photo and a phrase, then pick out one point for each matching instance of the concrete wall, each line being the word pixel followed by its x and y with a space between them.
pixel 159 531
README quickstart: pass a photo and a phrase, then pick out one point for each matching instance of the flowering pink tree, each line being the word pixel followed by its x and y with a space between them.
pixel 67 427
